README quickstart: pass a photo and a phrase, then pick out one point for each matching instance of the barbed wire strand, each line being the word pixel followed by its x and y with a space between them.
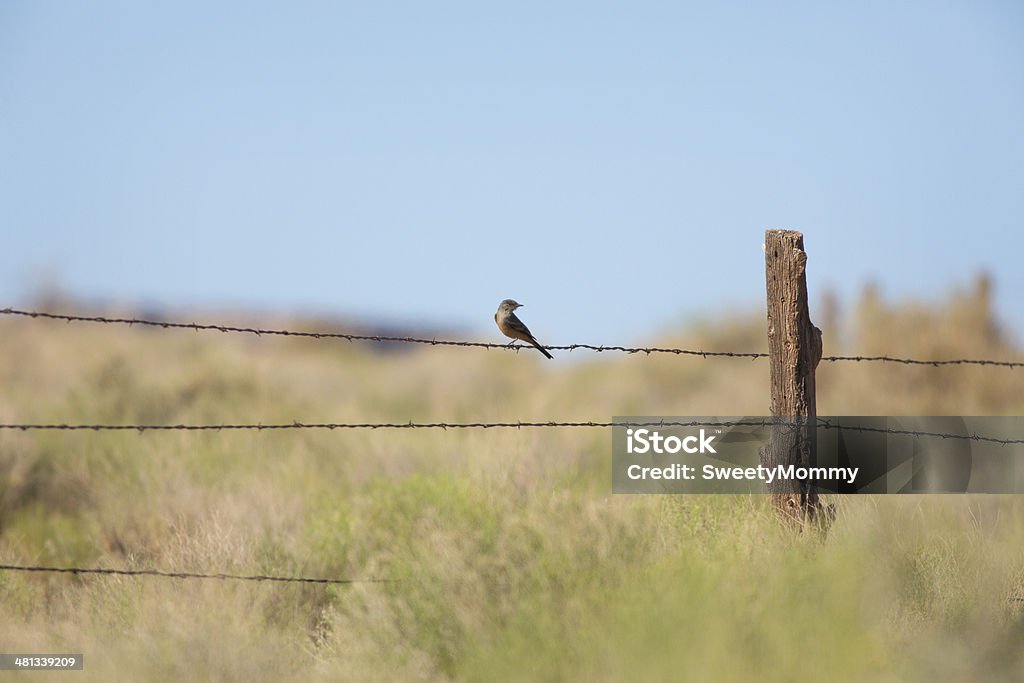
pixel 185 575
pixel 222 577
pixel 361 337
pixel 826 424
pixel 356 425
pixel 164 324
pixel 821 423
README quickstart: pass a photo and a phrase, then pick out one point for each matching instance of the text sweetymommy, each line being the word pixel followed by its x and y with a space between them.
pixel 762 473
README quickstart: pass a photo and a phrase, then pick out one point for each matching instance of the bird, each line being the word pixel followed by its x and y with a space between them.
pixel 513 327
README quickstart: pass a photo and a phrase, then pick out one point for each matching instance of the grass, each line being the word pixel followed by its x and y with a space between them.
pixel 510 559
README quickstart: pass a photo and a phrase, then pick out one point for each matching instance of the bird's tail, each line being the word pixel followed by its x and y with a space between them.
pixel 540 348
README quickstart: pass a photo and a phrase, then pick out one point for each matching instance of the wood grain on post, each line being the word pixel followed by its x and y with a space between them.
pixel 794 347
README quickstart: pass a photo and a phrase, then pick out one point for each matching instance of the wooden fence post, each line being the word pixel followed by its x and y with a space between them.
pixel 794 347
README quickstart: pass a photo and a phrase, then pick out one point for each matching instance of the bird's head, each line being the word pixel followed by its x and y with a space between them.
pixel 509 305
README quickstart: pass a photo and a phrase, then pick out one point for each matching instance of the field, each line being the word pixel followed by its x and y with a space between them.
pixel 508 558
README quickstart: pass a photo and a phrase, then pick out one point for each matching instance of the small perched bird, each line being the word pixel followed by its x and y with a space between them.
pixel 513 327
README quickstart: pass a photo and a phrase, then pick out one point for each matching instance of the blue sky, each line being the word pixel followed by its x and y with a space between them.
pixel 611 165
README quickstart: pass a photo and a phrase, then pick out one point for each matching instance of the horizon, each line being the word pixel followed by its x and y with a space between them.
pixel 828 313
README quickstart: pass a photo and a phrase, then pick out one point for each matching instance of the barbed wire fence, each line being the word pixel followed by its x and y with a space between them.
pixel 822 423
pixel 269 332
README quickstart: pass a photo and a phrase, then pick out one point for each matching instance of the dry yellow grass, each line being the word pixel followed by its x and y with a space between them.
pixel 510 557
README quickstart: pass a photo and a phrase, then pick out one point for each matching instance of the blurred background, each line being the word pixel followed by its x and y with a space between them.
pixel 417 163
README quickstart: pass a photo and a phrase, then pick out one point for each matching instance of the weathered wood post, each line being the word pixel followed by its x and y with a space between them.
pixel 794 347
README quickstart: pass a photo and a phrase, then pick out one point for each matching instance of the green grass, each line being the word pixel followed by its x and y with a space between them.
pixel 507 554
